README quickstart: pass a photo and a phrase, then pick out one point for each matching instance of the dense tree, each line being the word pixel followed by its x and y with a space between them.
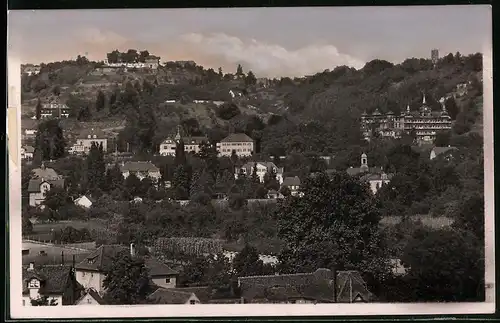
pixel 250 79
pixel 100 102
pixel 44 301
pixel 239 70
pixel 451 107
pixel 333 226
pixel 27 226
pixel 50 140
pixel 247 263
pixel 127 280
pixel 96 167
pixel 38 109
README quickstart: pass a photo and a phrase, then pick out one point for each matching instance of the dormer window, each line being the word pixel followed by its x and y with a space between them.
pixel 95 136
pixel 34 283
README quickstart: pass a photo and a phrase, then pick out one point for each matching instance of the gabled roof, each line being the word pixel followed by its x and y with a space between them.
pixel 29 149
pixel 204 293
pixel 352 171
pixel 157 268
pixel 318 286
pixel 237 137
pixel 194 140
pixel 34 184
pixel 170 296
pixel 101 258
pixel 94 294
pixel 53 278
pixel 441 150
pixel 45 173
pixel 139 166
pixel 268 165
pixel 291 181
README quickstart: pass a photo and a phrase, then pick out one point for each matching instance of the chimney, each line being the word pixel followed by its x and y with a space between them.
pixel 74 261
pixel 32 266
pixel 62 258
pixel 132 250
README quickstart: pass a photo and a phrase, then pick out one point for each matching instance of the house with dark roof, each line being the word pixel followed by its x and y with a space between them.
pixel 85 140
pixel 56 282
pixel 141 169
pixel 262 169
pixel 185 295
pixel 442 152
pixel 43 179
pixel 90 297
pixel 321 286
pixel 239 143
pixel 91 272
pixel 374 176
pixel 293 184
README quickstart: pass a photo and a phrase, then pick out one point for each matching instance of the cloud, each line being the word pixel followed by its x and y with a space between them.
pixel 99 37
pixel 262 58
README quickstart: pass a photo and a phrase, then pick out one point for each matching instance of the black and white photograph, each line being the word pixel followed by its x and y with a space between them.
pixel 270 161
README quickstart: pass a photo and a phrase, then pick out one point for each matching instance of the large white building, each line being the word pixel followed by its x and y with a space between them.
pixel 425 123
pixel 239 143
pixel 191 144
pixel 85 140
pixel 141 169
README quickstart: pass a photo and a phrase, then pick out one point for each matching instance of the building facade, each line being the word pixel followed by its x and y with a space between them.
pixel 424 124
pixel 191 144
pixel 239 143
pixel 54 110
pixel 85 140
pixel 141 169
pixel 374 176
pixel 42 180
pixel 263 168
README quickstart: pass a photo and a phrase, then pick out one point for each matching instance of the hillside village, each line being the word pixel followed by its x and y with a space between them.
pixel 227 188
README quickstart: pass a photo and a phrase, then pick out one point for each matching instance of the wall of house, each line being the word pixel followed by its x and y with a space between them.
pixel 39 197
pixel 27 300
pixel 241 148
pixel 91 279
pixel 87 300
pixel 375 185
pixel 87 143
pixel 162 281
pixel 167 149
pixel 193 299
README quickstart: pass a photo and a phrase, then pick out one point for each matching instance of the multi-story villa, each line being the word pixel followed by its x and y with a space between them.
pixel 262 169
pixel 191 144
pixel 239 143
pixel 86 138
pixel 42 180
pixel 141 170
pixel 425 123
pixel 55 110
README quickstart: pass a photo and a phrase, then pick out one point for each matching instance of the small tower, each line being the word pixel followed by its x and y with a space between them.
pixel 178 135
pixel 43 165
pixel 408 109
pixel 423 99
pixel 364 162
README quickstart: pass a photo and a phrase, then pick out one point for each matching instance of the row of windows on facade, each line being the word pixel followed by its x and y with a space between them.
pixel 236 150
pixel 236 143
pixel 440 120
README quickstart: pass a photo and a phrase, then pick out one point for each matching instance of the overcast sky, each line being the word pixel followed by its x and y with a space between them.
pixel 268 41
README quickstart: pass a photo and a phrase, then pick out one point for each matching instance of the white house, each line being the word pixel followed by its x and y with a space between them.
pixel 442 151
pixel 262 169
pixel 43 179
pixel 83 202
pixel 376 181
pixel 239 143
pixel 56 282
pixel 90 273
pixel 191 144
pixel 293 184
pixel 27 152
pixel 140 169
pixel 85 140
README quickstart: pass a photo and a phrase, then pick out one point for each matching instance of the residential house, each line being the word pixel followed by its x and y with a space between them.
pixel 56 282
pixel 29 128
pixel 375 176
pixel 239 143
pixel 43 179
pixel 141 169
pixel 90 297
pixel 293 184
pixel 186 295
pixel 191 144
pixel 27 152
pixel 273 194
pixel 85 140
pixel 321 286
pixel 31 69
pixel 56 110
pixel 91 272
pixel 83 202
pixel 262 169
pixel 152 62
pixel 443 152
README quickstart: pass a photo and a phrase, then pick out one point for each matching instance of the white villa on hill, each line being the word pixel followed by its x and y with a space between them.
pixel 262 169
pixel 239 143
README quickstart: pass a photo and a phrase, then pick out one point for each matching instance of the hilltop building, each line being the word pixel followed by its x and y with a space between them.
pixel 423 123
pixel 191 144
pixel 54 110
pixel 27 152
pixel 239 143
pixel 262 169
pixel 31 69
pixel 434 56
